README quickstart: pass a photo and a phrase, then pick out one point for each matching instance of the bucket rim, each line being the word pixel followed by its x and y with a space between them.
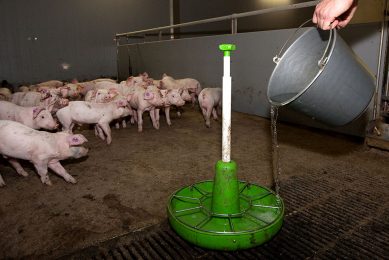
pixel 330 44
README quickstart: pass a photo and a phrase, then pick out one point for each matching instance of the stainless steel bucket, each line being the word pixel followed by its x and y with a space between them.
pixel 320 76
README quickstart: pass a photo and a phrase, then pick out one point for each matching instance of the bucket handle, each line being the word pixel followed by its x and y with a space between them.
pixel 323 60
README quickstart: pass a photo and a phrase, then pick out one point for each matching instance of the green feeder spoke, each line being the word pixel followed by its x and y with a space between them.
pixel 244 187
pixel 265 206
pixel 207 211
pixel 231 224
pixel 182 198
pixel 200 190
pixel 203 222
pixel 256 222
pixel 261 196
pixel 255 217
pixel 182 210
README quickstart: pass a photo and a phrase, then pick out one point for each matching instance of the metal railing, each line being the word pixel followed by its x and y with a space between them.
pixel 233 18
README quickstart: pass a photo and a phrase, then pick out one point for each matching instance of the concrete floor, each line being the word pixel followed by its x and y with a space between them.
pixel 125 186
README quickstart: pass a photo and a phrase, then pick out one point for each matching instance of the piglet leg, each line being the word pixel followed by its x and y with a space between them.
pixel 152 116
pixel 178 111
pixel 219 109
pixel 19 169
pixel 134 117
pixel 41 167
pixel 140 120
pixel 99 132
pixel 214 114
pixel 60 170
pixel 193 96
pixel 107 131
pixel 2 183
pixel 96 132
pixel 207 117
pixel 157 117
pixel 167 114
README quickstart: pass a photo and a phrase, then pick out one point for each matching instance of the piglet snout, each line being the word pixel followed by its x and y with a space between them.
pixel 78 151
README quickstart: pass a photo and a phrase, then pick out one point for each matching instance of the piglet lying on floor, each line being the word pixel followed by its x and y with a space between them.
pixel 43 149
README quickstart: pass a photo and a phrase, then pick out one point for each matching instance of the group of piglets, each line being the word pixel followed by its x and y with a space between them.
pixel 21 115
pixel 97 102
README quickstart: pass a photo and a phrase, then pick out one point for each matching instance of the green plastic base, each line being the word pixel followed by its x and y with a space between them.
pixel 260 217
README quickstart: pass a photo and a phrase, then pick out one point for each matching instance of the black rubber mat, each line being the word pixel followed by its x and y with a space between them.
pixel 330 214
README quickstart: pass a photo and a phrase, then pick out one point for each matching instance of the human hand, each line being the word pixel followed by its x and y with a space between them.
pixel 334 13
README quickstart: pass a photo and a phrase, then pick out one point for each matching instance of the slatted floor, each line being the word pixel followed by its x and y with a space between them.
pixel 329 214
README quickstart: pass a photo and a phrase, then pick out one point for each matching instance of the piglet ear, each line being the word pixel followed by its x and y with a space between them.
pixel 129 96
pixel 76 139
pixel 164 75
pixel 129 81
pixel 113 90
pixel 36 111
pixel 148 95
pixel 74 81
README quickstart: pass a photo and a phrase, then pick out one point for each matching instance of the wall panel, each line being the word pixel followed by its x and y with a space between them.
pixel 77 32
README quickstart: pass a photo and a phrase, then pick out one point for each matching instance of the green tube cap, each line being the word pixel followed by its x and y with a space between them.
pixel 226 48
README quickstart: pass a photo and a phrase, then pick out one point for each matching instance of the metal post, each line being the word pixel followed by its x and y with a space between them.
pixel 129 63
pixel 117 40
pixel 234 26
pixel 171 18
pixel 380 66
pixel 386 16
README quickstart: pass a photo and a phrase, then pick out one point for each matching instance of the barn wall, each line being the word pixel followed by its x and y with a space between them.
pixel 38 36
pixel 251 65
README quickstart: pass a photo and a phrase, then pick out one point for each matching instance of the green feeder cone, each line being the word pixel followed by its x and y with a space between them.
pixel 226 189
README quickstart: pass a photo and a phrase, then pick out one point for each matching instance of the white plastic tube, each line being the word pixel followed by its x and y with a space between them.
pixel 226 125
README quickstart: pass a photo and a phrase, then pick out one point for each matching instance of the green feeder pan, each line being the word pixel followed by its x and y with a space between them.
pixel 226 214
pixel 195 217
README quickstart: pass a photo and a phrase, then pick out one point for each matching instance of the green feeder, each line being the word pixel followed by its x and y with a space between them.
pixel 226 214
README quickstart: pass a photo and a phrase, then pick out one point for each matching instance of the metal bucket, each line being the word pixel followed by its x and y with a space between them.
pixel 320 76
